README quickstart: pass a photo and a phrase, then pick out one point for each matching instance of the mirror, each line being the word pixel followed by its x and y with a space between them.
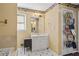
pixel 34 24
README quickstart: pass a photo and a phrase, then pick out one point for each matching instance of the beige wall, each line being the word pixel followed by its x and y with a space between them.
pixel 27 33
pixel 8 32
pixel 41 28
pixel 51 27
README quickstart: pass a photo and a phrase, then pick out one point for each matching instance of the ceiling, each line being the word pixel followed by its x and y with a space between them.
pixel 38 6
pixel 35 6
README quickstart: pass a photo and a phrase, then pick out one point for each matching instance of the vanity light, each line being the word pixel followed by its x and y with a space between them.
pixel 40 15
pixel 37 15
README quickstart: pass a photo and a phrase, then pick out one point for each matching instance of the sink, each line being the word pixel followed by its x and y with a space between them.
pixel 39 34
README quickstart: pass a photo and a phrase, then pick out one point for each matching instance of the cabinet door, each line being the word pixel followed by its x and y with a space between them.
pixel 44 42
pixel 39 43
pixel 34 43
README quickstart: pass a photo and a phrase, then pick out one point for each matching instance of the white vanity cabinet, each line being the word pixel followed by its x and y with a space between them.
pixel 39 42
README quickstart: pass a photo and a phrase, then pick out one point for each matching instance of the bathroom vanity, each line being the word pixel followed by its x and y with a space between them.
pixel 39 41
pixel 39 38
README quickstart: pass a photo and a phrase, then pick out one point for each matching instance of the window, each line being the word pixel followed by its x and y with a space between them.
pixel 21 22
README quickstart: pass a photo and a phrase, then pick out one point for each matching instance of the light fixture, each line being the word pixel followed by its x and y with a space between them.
pixel 37 15
pixel 5 21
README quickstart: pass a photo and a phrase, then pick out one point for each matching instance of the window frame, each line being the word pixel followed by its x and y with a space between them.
pixel 21 14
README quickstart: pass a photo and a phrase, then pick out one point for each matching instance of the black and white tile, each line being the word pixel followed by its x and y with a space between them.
pixel 22 52
pixel 45 52
pixel 6 51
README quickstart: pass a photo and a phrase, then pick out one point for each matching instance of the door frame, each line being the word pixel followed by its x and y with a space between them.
pixel 78 31
pixel 61 12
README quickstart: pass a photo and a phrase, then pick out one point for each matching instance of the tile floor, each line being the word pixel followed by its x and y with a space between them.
pixel 20 52
pixel 46 52
pixel 6 51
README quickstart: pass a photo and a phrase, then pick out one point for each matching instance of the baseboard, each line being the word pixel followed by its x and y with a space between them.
pixel 61 54
pixel 54 53
pixel 67 53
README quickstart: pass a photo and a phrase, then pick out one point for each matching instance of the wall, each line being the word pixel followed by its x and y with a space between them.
pixel 51 27
pixel 27 33
pixel 8 34
pixel 41 27
pixel 60 22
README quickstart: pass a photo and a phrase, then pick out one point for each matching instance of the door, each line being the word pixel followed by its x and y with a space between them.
pixel 69 41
